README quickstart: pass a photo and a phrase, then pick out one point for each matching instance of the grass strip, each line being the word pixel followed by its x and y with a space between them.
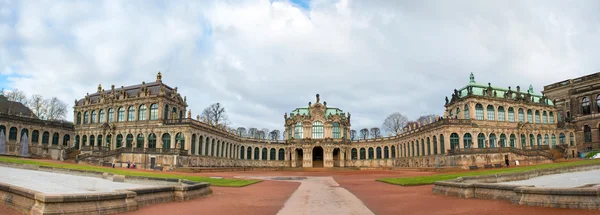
pixel 213 181
pixel 430 179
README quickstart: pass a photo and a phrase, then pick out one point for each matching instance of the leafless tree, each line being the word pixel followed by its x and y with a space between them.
pixel 352 134
pixel 426 119
pixel 252 132
pixel 274 135
pixel 38 105
pixel 261 134
pixel 56 109
pixel 241 131
pixel 375 132
pixel 394 123
pixel 15 95
pixel 265 132
pixel 364 133
pixel 216 113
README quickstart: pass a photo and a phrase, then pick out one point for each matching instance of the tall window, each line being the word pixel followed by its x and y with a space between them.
pixel 79 118
pixel 551 117
pixel 298 131
pixel 501 113
pixel 131 113
pixel 521 115
pixel 544 117
pixel 457 112
pixel 529 116
pixel 151 140
pixel 587 133
pixel 153 112
pixel 571 139
pixel 85 118
pixel 553 141
pixel 523 141
pixel 511 114
pixel 502 142
pixel 562 138
pixel 121 114
pixel 492 140
pixel 93 117
pixel 491 115
pixel 513 140
pixel 336 130
pixel 466 112
pixel 598 103
pixel 317 130
pixel 585 106
pixel 537 117
pixel 467 140
pixel 481 140
pixel 454 141
pixel 142 113
pixel 111 115
pixel 101 116
pixel 479 112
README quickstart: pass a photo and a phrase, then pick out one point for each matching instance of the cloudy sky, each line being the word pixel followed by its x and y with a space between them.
pixel 263 58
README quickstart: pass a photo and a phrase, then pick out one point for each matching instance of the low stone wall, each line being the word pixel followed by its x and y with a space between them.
pixel 485 187
pixel 372 163
pixel 33 202
pixel 466 160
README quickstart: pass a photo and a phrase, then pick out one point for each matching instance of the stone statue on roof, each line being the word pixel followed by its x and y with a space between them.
pixel 318 98
pixel 446 99
pixel 471 78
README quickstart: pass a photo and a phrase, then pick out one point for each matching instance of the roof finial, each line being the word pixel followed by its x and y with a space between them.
pixel 530 88
pixel 159 77
pixel 99 88
pixel 471 78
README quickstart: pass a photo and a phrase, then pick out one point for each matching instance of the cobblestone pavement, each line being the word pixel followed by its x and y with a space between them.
pixel 320 195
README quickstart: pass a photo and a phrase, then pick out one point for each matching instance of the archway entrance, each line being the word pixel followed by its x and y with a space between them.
pixel 299 157
pixel 336 157
pixel 317 157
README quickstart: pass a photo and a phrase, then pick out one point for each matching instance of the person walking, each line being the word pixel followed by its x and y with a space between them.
pixel 506 160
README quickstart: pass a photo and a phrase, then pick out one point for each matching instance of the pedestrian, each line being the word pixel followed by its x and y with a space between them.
pixel 128 164
pixel 506 160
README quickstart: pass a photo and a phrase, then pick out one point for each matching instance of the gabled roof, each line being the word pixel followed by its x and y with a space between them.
pixel 15 107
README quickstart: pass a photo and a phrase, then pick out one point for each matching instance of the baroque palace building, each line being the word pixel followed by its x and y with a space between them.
pixel 150 124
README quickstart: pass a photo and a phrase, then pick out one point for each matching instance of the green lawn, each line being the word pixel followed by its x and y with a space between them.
pixel 430 179
pixel 212 181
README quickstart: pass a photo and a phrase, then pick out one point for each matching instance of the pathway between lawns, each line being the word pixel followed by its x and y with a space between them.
pixel 319 195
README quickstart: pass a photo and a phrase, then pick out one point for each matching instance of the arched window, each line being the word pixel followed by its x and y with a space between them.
pixel 378 150
pixel 336 130
pixel 466 112
pixel 428 152
pixel 363 154
pixel 386 154
pixel 166 139
pixel 298 131
pixel 151 140
pixel 502 142
pixel 562 138
pixel 523 141
pixel 551 117
pixel 66 140
pixel 55 139
pixel 180 139
pixel 587 134
pixel 256 153
pixel 544 117
pixel 539 139
pixel 154 111
pixel 598 103
pixel 371 153
pixel 101 116
pixel 263 155
pixel 119 140
pixel 108 139
pixel 585 106
pixel 442 146
pixel 435 148
pixel 142 113
pixel 513 140
pixel 491 114
pixel 272 154
pixel 571 139
pixel 92 141
pixel 511 114
pixel 93 118
pixel 481 141
pixel 111 115
pixel 35 136
pixel 12 134
pixel 131 113
pixel 249 153
pixel 129 141
pixel 354 154
pixel 537 117
pixel 454 141
pixel 457 112
pixel 281 155
pixel 121 113
pixel 393 152
pixel 479 112
pixel 317 130
pixel 492 140
pixel 78 118
pixel 553 141
pixel 501 114
pixel 529 116
pixel 85 118
pixel 84 140
pixel 242 151
pixel 521 115
pixel 531 140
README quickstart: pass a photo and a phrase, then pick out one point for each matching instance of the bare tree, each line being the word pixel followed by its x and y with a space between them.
pixel 364 133
pixel 252 133
pixel 261 134
pixel 352 134
pixel 265 132
pixel 394 123
pixel 15 95
pixel 375 132
pixel 216 113
pixel 56 109
pixel 38 105
pixel 241 131
pixel 274 135
pixel 426 119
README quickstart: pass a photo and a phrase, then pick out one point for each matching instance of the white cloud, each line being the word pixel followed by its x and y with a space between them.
pixel 262 59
